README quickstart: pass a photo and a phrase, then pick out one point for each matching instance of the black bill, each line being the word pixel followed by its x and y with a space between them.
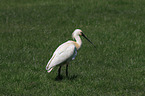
pixel 88 40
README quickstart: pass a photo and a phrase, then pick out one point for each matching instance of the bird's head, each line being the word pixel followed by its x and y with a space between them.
pixel 78 32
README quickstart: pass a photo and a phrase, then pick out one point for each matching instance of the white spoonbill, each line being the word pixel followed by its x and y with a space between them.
pixel 66 52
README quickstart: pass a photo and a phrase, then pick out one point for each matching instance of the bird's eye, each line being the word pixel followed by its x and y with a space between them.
pixel 81 33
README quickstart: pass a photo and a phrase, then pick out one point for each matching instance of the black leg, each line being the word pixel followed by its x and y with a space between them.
pixel 59 70
pixel 59 77
pixel 66 70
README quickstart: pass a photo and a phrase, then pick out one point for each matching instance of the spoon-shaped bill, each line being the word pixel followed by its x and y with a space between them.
pixel 88 39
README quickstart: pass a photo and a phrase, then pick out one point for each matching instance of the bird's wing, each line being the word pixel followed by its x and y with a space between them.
pixel 63 53
pixel 62 47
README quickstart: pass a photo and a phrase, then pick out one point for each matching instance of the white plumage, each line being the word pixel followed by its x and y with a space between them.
pixel 63 54
pixel 66 52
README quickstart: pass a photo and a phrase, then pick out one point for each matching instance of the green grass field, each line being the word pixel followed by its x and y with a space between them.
pixel 30 31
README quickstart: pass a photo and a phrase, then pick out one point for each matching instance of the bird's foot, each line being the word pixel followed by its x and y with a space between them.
pixel 59 77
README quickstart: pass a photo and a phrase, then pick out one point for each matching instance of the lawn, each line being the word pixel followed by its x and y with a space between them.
pixel 31 30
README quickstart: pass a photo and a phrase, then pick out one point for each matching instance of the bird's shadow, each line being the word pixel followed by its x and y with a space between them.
pixel 73 77
pixel 59 78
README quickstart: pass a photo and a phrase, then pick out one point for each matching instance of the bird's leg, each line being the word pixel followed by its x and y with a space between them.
pixel 59 70
pixel 66 70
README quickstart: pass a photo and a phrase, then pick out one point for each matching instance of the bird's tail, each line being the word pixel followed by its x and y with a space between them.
pixel 49 70
pixel 48 67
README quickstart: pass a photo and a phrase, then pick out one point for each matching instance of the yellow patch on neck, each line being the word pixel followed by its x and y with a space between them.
pixel 76 44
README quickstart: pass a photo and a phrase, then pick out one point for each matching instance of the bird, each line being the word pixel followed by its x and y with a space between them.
pixel 66 52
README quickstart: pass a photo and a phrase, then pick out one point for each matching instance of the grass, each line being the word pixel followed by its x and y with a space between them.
pixel 30 31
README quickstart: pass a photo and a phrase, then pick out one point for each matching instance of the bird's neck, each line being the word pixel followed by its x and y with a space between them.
pixel 78 41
